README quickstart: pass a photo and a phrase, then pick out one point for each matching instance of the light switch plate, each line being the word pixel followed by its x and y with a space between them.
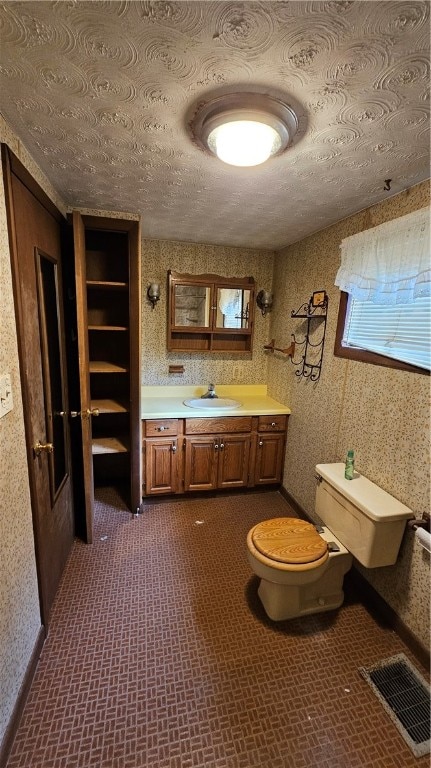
pixel 6 401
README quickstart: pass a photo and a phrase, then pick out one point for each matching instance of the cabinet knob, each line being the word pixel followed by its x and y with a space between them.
pixel 221 446
pixel 216 446
pixel 85 414
pixel 273 424
pixel 161 429
pixel 39 448
pixel 174 448
pixel 260 442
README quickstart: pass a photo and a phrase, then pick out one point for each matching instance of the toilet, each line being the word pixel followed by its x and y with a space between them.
pixel 302 566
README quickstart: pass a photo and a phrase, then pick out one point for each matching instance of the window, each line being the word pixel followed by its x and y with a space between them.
pixel 385 307
pixel 397 332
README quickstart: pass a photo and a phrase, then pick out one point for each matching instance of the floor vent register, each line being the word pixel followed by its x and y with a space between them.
pixel 405 695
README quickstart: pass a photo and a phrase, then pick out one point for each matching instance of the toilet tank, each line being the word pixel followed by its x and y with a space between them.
pixel 367 520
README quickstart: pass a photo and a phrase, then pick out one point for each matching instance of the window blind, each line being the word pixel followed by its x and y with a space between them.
pixel 402 332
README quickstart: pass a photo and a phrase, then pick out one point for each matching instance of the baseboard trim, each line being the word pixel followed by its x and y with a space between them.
pixel 18 709
pixel 294 504
pixel 384 614
pixel 373 601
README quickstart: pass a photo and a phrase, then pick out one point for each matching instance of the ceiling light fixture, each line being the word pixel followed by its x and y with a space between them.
pixel 244 129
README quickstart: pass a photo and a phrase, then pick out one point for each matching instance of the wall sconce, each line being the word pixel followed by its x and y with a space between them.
pixel 153 293
pixel 264 301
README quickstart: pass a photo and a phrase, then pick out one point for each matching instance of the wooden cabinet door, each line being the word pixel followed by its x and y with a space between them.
pixel 210 312
pixel 83 423
pixel 201 459
pixel 135 364
pixel 269 458
pixel 161 465
pixel 233 461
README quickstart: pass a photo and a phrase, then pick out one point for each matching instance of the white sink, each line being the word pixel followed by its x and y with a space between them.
pixel 213 403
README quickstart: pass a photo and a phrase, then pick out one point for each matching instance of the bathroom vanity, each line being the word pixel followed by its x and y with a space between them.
pixel 191 449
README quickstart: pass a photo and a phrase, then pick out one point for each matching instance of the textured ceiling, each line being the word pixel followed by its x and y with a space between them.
pixel 101 94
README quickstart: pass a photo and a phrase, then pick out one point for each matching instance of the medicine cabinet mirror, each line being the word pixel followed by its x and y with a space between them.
pixel 210 313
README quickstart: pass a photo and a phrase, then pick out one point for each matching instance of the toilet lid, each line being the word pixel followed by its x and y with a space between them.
pixel 289 540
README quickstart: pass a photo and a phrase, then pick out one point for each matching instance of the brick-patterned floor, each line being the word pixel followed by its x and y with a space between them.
pixel 160 656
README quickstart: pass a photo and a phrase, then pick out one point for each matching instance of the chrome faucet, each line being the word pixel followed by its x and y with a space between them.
pixel 211 392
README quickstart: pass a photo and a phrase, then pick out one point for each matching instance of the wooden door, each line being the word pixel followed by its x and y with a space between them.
pixel 269 458
pixel 34 233
pixel 84 414
pixel 233 463
pixel 201 460
pixel 161 465
pixel 134 237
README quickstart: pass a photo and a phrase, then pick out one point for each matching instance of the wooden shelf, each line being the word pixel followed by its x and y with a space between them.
pixel 107 328
pixel 104 445
pixel 100 366
pixel 107 285
pixel 109 406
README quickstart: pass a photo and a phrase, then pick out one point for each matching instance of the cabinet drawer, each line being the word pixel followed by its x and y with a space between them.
pixel 272 423
pixel 222 425
pixel 159 427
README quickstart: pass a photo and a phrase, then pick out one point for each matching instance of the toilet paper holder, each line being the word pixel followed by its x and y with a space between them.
pixel 421 522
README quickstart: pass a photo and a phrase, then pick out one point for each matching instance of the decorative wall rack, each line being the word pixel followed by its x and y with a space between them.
pixel 309 364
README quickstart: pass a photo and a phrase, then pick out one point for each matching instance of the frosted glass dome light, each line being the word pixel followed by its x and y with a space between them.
pixel 244 129
pixel 244 142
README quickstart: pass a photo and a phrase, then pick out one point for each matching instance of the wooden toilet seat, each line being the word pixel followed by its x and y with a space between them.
pixel 290 541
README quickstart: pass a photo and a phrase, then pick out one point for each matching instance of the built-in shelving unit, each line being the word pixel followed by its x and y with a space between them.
pixel 108 325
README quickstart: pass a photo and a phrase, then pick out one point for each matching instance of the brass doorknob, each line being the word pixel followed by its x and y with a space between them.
pixel 85 413
pixel 92 412
pixel 39 448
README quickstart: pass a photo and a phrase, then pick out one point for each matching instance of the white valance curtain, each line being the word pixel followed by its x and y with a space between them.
pixel 389 264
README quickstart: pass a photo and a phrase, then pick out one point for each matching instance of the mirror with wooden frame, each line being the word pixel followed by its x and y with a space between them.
pixel 209 313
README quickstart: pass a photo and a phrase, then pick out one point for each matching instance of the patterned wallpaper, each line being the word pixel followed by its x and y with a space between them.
pixel 220 368
pixel 383 414
pixel 19 601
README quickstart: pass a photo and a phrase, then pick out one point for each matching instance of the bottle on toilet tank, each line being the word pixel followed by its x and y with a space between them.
pixel 350 465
